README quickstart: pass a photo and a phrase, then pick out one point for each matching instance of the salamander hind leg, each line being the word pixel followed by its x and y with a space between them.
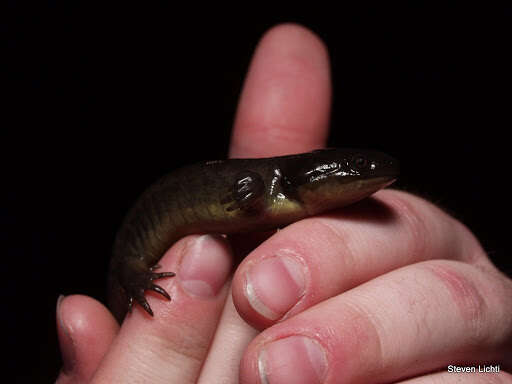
pixel 246 194
pixel 134 278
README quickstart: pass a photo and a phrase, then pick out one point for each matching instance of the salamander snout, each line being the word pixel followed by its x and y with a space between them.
pixel 372 164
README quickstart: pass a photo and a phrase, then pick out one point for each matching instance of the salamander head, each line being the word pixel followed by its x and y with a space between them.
pixel 332 178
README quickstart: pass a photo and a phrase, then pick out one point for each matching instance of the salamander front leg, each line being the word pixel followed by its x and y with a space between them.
pixel 246 194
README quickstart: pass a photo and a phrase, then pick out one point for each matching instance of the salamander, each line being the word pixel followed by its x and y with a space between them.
pixel 234 196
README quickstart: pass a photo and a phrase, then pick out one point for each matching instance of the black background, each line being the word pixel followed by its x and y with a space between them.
pixel 103 100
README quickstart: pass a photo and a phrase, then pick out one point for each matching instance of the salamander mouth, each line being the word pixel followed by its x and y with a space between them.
pixel 332 195
pixel 373 184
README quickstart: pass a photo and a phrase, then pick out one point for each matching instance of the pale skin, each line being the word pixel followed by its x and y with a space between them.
pixel 341 298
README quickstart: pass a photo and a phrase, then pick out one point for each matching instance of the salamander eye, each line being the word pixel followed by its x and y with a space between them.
pixel 359 162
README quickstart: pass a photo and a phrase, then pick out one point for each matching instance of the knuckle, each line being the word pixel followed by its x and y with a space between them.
pixel 186 345
pixel 329 232
pixel 433 231
pixel 336 238
pixel 472 306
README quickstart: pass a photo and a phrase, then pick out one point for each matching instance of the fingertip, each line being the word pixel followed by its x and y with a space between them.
pixel 67 347
pixel 285 103
pixel 85 330
pixel 266 288
pixel 292 36
pixel 86 316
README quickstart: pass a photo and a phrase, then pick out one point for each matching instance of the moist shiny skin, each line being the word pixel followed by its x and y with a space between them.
pixel 234 196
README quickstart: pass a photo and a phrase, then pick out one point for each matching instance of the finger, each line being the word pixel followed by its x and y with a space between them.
pixel 86 330
pixel 288 58
pixel 321 257
pixel 411 321
pixel 285 101
pixel 232 337
pixel 172 345
pixel 481 375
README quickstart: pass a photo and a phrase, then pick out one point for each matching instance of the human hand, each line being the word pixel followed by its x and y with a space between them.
pixel 389 289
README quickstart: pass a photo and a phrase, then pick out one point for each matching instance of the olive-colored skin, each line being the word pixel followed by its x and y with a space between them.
pixel 234 196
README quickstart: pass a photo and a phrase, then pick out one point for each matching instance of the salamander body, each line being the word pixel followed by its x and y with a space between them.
pixel 234 196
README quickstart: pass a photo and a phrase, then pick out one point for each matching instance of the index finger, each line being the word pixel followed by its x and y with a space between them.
pixel 285 102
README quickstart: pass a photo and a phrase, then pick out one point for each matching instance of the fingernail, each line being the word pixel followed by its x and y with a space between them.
pixel 67 346
pixel 295 359
pixel 274 285
pixel 205 266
